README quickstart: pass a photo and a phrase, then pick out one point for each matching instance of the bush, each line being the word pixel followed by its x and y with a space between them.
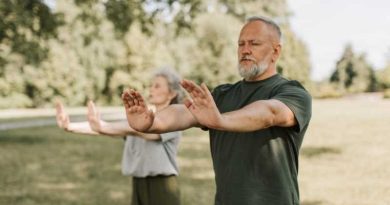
pixel 15 100
pixel 327 90
pixel 386 93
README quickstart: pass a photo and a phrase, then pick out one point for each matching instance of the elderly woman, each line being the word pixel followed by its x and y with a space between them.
pixel 149 158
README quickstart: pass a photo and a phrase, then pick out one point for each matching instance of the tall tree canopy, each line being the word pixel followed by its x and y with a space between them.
pixel 353 74
pixel 93 49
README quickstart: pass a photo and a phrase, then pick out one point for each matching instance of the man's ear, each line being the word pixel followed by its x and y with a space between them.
pixel 276 52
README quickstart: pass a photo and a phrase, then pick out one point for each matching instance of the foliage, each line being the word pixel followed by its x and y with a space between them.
pixel 383 77
pixel 386 93
pixel 24 26
pixel 353 74
pixel 246 8
pixel 214 56
pixel 294 61
pixel 93 49
pixel 326 90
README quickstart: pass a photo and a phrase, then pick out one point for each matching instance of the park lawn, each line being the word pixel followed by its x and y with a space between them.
pixel 344 161
pixel 48 166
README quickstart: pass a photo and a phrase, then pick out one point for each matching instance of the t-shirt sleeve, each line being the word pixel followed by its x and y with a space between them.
pixel 169 136
pixel 294 96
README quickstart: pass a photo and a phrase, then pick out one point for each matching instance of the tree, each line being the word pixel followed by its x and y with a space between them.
pixel 213 56
pixel 242 9
pixel 353 74
pixel 383 77
pixel 25 25
pixel 294 61
pixel 93 49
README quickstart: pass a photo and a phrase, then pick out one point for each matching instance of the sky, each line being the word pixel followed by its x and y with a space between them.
pixel 327 26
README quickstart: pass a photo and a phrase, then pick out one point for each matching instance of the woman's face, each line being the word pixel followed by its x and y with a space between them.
pixel 159 92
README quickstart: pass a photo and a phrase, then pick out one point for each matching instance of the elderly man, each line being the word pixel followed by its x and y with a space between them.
pixel 256 125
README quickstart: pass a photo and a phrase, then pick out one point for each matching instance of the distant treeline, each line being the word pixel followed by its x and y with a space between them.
pixel 93 49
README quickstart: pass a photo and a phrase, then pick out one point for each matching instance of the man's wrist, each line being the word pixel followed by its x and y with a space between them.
pixel 220 123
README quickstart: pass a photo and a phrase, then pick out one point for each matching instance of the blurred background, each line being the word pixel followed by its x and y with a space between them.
pixel 76 50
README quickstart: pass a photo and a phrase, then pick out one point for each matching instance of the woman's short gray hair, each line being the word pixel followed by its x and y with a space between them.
pixel 173 80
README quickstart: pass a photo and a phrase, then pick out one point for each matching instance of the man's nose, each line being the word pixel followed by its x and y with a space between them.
pixel 246 49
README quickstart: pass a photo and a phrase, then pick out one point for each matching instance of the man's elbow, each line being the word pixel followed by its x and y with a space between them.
pixel 286 120
pixel 281 119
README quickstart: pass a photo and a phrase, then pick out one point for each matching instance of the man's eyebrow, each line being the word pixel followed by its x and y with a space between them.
pixel 251 40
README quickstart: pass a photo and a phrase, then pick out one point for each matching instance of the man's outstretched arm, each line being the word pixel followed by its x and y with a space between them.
pixel 255 116
pixel 173 118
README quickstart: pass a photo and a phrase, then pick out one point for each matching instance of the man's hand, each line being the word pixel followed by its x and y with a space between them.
pixel 137 113
pixel 94 117
pixel 61 116
pixel 202 106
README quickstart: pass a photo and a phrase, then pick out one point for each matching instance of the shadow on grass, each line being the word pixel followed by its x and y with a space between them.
pixel 317 151
pixel 28 136
pixel 21 139
pixel 312 203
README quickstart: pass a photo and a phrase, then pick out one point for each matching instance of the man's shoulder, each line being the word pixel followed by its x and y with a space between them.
pixel 285 82
pixel 225 87
pixel 289 87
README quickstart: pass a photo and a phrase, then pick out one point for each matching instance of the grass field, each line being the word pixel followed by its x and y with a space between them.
pixel 344 161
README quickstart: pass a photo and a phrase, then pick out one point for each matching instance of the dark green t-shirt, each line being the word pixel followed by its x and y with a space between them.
pixel 260 167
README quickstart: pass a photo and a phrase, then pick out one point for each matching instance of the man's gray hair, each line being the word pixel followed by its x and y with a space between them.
pixel 267 21
pixel 173 80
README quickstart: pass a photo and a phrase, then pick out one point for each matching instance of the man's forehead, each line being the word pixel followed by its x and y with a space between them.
pixel 254 28
pixel 252 36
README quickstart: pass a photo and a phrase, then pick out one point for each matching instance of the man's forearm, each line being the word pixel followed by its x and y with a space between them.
pixel 172 118
pixel 256 116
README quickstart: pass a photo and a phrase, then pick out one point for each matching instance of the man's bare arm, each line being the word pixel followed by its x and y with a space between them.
pixel 172 118
pixel 255 116
pixel 258 115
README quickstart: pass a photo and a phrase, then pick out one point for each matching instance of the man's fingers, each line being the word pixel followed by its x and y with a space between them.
pixel 206 91
pixel 193 90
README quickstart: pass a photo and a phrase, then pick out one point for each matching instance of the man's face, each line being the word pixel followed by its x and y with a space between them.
pixel 254 49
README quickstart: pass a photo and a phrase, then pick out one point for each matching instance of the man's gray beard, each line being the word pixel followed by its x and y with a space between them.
pixel 254 71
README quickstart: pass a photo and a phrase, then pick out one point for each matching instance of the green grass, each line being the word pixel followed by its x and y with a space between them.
pixel 344 161
pixel 316 151
pixel 2 120
pixel 46 165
